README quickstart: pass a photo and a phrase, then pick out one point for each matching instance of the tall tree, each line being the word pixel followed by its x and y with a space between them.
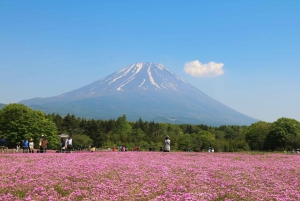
pixel 18 122
pixel 71 124
pixel 230 133
pixel 81 141
pixel 256 135
pixel 122 126
pixel 207 139
pixel 283 134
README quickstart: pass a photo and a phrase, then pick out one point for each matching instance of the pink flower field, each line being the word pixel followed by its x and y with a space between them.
pixel 149 176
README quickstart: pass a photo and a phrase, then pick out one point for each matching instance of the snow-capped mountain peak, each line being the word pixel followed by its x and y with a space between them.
pixel 139 76
pixel 146 90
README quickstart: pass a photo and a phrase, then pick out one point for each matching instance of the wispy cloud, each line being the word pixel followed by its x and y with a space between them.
pixel 197 69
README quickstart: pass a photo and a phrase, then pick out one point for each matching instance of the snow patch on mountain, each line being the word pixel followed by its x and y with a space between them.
pixel 151 78
pixel 160 67
pixel 120 87
pixel 93 88
pixel 142 82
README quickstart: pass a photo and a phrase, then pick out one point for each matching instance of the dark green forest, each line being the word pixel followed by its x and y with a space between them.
pixel 16 121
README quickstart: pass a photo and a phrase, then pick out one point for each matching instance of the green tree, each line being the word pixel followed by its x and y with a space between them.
pixel 184 142
pixel 58 120
pixel 137 135
pixel 92 129
pixel 122 126
pixel 207 139
pixel 70 124
pixel 18 122
pixel 230 133
pixel 283 134
pixel 81 141
pixel 196 142
pixel 256 135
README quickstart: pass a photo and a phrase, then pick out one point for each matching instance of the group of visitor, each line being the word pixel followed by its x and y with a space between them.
pixel 121 148
pixel 66 145
pixel 166 148
pixel 136 148
pixel 26 145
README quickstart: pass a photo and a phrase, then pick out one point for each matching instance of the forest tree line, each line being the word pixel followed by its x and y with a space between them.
pixel 283 134
pixel 18 121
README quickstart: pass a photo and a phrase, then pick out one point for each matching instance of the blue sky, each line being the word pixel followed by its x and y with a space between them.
pixel 245 54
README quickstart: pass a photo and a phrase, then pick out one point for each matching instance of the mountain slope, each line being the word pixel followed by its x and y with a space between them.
pixel 146 90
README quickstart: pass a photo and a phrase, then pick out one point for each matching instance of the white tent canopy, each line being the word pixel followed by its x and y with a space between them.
pixel 63 135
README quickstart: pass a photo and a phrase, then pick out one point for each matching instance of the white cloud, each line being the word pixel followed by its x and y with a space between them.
pixel 197 69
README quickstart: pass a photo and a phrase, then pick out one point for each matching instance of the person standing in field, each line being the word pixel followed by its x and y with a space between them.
pixel 3 145
pixel 167 144
pixel 69 144
pixel 31 146
pixel 44 144
pixel 40 143
pixel 18 147
pixel 62 145
pixel 25 146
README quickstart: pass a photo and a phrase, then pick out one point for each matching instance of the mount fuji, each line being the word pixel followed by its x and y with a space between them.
pixel 146 90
